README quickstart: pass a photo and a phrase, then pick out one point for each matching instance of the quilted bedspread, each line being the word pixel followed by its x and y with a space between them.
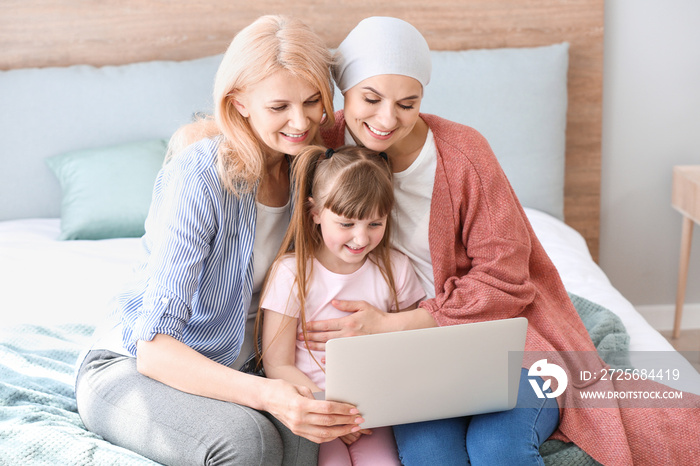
pixel 39 421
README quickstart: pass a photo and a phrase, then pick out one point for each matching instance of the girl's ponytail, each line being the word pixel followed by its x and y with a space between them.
pixel 300 238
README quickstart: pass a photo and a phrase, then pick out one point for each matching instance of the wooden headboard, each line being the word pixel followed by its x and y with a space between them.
pixel 41 33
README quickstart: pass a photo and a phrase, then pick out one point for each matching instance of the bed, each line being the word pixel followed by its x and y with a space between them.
pixel 87 110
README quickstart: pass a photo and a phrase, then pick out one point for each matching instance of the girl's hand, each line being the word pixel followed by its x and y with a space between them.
pixel 364 320
pixel 318 421
pixel 354 437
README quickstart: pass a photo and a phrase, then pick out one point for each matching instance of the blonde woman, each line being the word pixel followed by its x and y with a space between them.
pixel 169 381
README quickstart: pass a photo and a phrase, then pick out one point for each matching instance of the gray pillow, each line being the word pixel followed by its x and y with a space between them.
pixel 517 98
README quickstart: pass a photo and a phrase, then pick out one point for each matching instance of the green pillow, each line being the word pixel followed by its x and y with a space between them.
pixel 107 191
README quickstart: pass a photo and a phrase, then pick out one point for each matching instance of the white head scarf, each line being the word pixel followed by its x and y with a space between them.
pixel 381 45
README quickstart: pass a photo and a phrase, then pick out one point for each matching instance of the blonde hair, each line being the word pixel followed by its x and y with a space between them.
pixel 270 44
pixel 353 182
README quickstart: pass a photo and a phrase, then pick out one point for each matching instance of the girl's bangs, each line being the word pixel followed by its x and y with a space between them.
pixel 360 196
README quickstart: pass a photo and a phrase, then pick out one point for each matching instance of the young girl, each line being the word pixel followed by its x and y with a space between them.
pixel 336 247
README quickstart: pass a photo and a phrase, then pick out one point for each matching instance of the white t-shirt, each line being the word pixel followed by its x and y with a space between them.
pixel 270 226
pixel 366 283
pixel 413 191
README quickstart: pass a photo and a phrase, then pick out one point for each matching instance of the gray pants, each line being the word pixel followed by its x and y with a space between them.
pixel 171 427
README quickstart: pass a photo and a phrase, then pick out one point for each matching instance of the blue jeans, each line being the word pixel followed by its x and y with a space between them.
pixel 506 437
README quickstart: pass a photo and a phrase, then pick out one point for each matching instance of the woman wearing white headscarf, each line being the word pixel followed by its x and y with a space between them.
pixel 447 180
pixel 470 241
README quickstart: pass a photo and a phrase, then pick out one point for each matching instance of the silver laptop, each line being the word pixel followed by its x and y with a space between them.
pixel 434 373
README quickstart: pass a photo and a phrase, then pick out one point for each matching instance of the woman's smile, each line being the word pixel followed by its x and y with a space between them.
pixel 295 137
pixel 378 133
pixel 382 111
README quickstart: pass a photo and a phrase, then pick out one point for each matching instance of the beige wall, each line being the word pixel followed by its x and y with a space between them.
pixel 651 122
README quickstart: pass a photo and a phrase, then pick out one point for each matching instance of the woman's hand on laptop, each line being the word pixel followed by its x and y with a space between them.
pixel 318 421
pixel 364 320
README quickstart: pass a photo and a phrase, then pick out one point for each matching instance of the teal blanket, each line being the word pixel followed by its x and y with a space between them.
pixel 612 343
pixel 39 422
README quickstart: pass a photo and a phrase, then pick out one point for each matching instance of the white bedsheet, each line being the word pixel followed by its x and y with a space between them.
pixel 583 277
pixel 46 281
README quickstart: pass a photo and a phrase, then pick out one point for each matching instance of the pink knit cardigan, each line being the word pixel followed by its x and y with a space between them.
pixel 492 266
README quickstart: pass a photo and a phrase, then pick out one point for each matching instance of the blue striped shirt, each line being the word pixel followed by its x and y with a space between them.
pixel 195 282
